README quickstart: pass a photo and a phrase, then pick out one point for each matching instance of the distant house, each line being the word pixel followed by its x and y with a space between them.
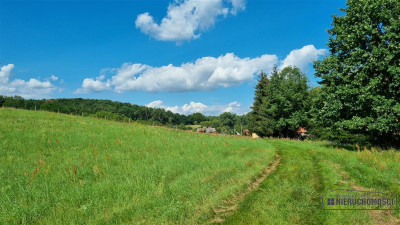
pixel 302 132
pixel 211 130
pixel 201 130
pixel 207 130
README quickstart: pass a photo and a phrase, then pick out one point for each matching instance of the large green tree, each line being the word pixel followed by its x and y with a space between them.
pixel 281 103
pixel 360 100
pixel 259 122
pixel 288 103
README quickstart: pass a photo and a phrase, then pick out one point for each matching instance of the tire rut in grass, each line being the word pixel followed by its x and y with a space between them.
pixel 313 214
pixel 230 205
pixel 383 217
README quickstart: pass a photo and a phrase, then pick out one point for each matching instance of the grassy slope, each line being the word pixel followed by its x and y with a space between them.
pixel 308 170
pixel 66 169
pixel 58 168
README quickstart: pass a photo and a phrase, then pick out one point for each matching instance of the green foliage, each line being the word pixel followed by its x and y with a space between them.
pixel 79 106
pixel 182 127
pixel 360 96
pixel 259 121
pixel 228 119
pixel 15 101
pixel 281 103
pixel 227 122
pixel 2 100
pixel 125 111
pixel 196 118
pixel 110 116
pixel 316 131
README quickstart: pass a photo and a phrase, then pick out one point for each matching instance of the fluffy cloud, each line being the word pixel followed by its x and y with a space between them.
pixel 301 58
pixel 28 89
pixel 237 5
pixel 94 85
pixel 185 20
pixel 193 107
pixel 156 104
pixel 53 78
pixel 5 73
pixel 206 73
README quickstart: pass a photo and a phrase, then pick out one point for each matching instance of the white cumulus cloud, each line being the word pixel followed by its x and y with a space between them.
pixel 33 88
pixel 94 85
pixel 193 107
pixel 53 78
pixel 206 73
pixel 5 73
pixel 302 57
pixel 156 104
pixel 237 5
pixel 185 20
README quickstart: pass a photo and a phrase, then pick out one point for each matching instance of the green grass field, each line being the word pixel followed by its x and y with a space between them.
pixel 63 169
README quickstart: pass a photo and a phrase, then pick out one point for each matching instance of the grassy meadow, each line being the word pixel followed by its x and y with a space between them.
pixel 63 169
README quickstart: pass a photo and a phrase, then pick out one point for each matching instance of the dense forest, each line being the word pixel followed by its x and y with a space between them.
pixel 225 123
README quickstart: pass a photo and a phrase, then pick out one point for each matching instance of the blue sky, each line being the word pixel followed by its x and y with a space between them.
pixel 186 56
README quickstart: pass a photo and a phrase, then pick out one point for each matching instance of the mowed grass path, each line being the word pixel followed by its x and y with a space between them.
pixel 307 170
pixel 62 169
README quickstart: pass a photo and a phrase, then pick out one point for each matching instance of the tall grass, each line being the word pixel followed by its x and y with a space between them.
pixel 308 170
pixel 63 169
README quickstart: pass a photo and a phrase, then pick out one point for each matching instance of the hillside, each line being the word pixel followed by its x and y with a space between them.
pixel 64 169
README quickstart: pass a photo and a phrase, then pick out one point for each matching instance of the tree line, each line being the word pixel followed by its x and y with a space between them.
pixel 226 122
